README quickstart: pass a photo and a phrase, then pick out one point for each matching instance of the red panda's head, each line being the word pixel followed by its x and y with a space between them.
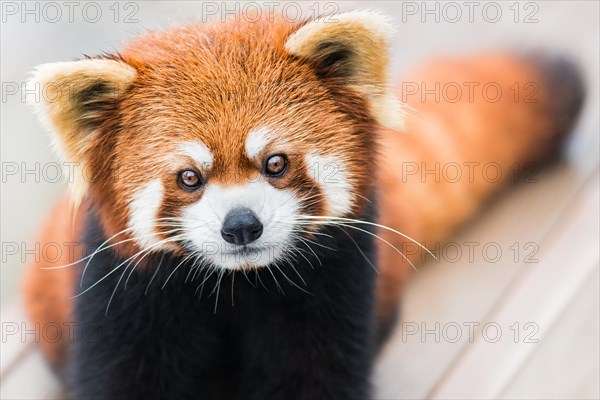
pixel 217 140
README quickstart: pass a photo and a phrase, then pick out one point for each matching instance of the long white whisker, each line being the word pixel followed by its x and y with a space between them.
pixel 121 264
pixel 218 287
pixel 292 282
pixel 207 276
pixel 88 256
pixel 356 221
pixel 154 274
pixel 298 251
pixel 311 250
pixel 378 237
pixel 100 249
pixel 360 250
pixel 275 280
pixel 175 270
pixel 114 291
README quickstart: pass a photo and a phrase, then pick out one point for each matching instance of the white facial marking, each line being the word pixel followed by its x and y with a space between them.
pixel 276 209
pixel 198 152
pixel 143 212
pixel 257 140
pixel 332 177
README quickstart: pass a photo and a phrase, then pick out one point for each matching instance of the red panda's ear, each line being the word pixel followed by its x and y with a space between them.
pixel 74 98
pixel 353 46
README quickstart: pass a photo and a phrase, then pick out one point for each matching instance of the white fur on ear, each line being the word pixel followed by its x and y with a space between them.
pixel 70 100
pixel 361 40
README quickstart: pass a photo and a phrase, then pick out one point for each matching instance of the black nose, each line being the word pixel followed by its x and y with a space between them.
pixel 241 226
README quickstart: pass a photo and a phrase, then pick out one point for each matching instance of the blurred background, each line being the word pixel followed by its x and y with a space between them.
pixel 524 325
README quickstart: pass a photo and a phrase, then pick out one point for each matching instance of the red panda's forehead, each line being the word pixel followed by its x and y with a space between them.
pixel 221 110
pixel 217 86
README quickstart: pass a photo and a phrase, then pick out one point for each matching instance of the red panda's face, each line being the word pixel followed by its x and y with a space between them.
pixel 225 142
pixel 229 161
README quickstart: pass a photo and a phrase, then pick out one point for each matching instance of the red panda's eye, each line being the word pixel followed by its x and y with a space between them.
pixel 276 165
pixel 189 179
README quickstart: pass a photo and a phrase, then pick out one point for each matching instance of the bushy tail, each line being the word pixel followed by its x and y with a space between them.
pixel 565 94
pixel 474 125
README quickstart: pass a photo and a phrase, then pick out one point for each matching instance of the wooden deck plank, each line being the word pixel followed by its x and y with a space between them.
pixel 32 379
pixel 467 291
pixel 14 345
pixel 566 363
pixel 539 297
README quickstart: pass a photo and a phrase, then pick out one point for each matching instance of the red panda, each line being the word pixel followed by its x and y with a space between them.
pixel 269 152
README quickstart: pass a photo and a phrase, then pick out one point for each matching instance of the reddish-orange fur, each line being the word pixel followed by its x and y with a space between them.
pixel 510 135
pixel 221 113
pixel 48 292
pixel 504 132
